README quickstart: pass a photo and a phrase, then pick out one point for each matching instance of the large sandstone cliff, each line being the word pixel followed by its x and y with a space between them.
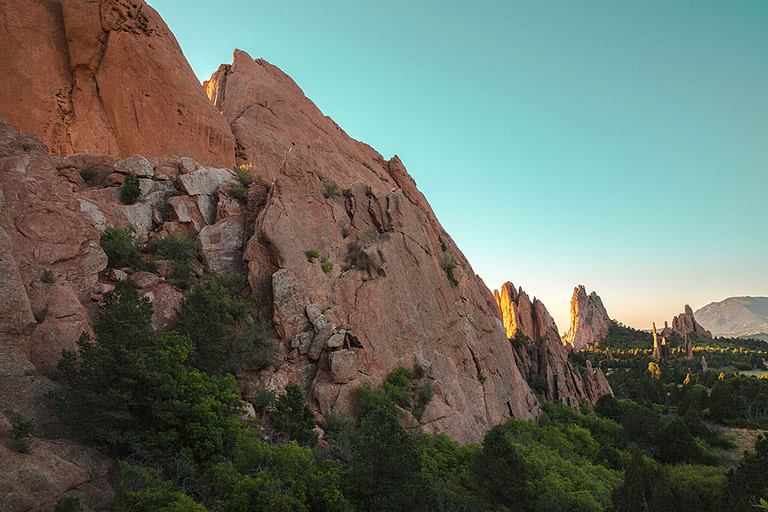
pixel 544 360
pixel 589 320
pixel 400 292
pixel 108 77
pixel 104 76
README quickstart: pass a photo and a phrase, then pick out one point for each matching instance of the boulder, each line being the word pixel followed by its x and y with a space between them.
pixel 136 165
pixel 205 181
pixel 222 245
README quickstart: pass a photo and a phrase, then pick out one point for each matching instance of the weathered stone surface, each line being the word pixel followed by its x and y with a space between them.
pixel 596 384
pixel 222 245
pixel 289 304
pixel 145 279
pixel 166 300
pixel 105 77
pixel 136 165
pixel 336 340
pixel 42 218
pixel 589 320
pixel 343 365
pixel 15 311
pixel 684 324
pixel 205 181
pixel 63 320
pixel 185 210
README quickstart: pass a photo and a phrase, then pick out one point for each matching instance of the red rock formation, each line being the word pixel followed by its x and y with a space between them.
pixel 589 320
pixel 391 293
pixel 545 364
pixel 105 77
pixel 684 324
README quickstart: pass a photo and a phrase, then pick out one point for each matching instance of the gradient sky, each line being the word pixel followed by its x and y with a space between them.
pixel 620 145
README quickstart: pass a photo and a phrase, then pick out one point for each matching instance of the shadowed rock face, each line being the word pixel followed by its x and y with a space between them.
pixel 534 336
pixel 388 301
pixel 589 320
pixel 105 77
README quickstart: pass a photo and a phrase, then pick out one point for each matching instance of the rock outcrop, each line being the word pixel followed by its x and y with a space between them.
pixel 399 292
pixel 589 320
pixel 544 360
pixel 685 324
pixel 105 77
pixel 104 84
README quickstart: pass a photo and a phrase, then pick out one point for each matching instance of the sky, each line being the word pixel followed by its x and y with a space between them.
pixel 618 145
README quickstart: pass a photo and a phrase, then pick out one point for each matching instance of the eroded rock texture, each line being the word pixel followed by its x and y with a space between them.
pixel 105 76
pixel 389 299
pixel 589 320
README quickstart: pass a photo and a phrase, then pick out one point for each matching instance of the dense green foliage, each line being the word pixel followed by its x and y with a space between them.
pixel 131 389
pixel 122 246
pixel 165 404
pixel 223 335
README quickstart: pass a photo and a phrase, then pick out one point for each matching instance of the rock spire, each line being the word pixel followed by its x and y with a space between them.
pixel 589 320
pixel 534 335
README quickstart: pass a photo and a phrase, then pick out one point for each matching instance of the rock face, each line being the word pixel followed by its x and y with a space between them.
pixel 388 291
pixel 105 77
pixel 685 324
pixel 534 336
pixel 589 320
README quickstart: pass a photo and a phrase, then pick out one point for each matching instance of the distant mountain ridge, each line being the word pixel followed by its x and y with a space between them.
pixel 736 317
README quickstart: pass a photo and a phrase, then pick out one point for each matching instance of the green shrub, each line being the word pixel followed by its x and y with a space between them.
pixel 244 174
pixel 22 430
pixel 326 265
pixel 48 277
pixel 130 191
pixel 397 386
pixel 482 378
pixel 180 274
pixel 238 193
pixel 263 399
pixel 175 246
pixel 331 189
pixel 448 263
pixel 312 255
pixel 122 246
pixel 294 417
pixel 426 392
pixel 131 388
pixel 68 504
pixel 358 258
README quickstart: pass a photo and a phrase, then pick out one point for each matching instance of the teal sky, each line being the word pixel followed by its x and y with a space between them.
pixel 620 145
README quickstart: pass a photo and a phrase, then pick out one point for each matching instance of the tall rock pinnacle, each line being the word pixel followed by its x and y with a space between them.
pixel 589 320
pixel 534 335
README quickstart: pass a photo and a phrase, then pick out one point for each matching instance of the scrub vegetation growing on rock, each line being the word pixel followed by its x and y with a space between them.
pixel 130 191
